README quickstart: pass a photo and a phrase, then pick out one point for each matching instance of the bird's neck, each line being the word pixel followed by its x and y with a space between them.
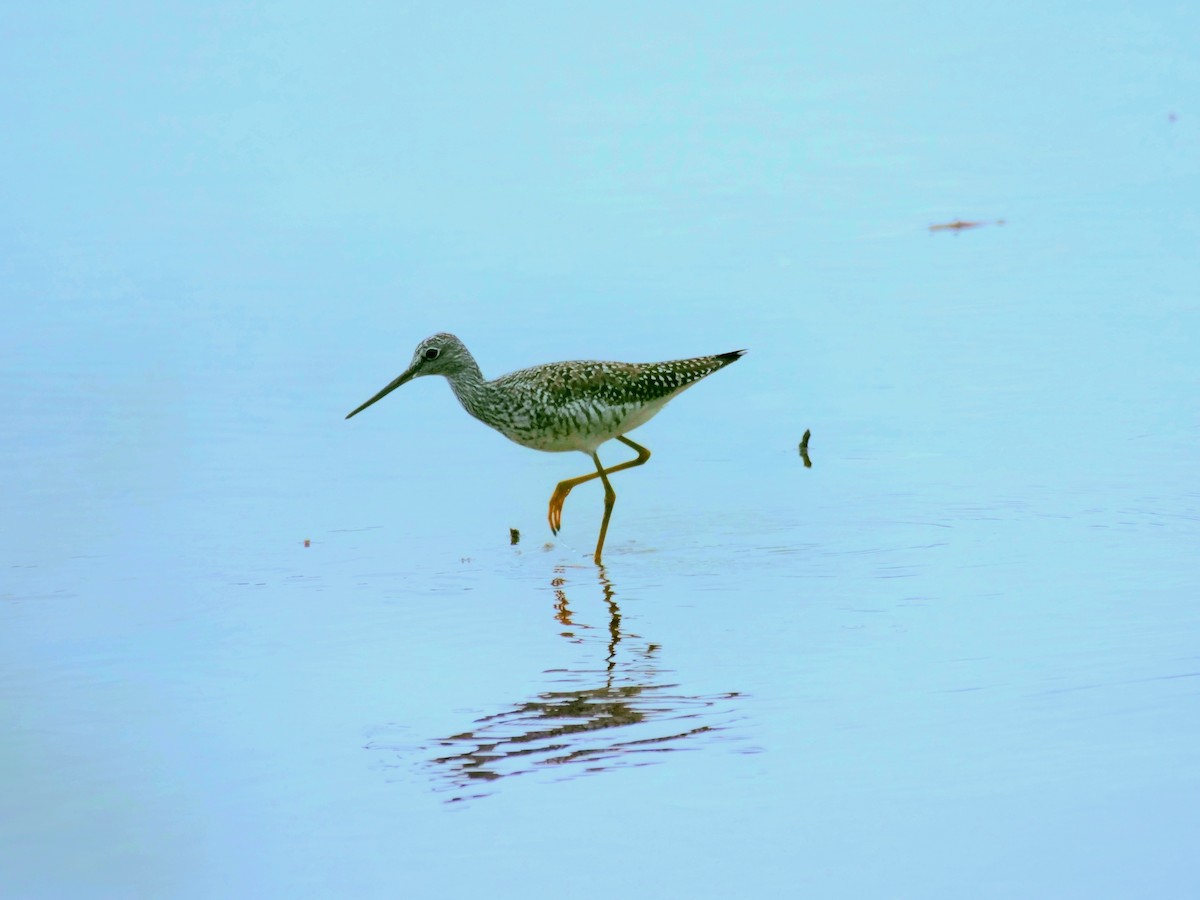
pixel 469 387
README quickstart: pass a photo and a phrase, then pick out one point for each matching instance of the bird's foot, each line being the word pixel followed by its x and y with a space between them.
pixel 556 505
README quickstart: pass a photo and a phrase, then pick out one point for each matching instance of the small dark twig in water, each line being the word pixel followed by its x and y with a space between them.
pixel 960 225
pixel 804 449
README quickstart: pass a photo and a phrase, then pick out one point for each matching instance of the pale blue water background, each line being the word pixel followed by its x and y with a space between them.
pixel 958 657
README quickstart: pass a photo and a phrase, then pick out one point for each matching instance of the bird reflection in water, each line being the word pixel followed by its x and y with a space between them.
pixel 622 714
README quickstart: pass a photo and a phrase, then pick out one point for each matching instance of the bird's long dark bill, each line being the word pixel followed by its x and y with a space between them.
pixel 407 376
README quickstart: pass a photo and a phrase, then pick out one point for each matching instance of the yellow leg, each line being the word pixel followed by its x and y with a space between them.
pixel 610 496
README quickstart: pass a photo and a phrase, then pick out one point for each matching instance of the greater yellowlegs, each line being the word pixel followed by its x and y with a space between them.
pixel 562 406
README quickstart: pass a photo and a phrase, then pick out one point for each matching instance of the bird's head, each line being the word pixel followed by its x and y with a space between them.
pixel 442 354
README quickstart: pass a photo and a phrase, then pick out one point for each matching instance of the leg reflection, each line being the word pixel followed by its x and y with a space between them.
pixel 614 707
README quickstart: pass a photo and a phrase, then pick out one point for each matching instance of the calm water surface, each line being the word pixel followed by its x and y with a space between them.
pixel 250 649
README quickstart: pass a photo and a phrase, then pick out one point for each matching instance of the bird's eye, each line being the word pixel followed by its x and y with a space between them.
pixel 432 353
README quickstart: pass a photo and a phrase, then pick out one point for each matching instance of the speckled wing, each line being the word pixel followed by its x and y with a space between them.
pixel 579 405
pixel 614 383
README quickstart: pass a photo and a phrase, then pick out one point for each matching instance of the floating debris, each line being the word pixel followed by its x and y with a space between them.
pixel 804 449
pixel 514 536
pixel 960 225
pixel 307 542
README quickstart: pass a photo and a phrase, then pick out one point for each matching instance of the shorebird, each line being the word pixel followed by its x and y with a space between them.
pixel 562 406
